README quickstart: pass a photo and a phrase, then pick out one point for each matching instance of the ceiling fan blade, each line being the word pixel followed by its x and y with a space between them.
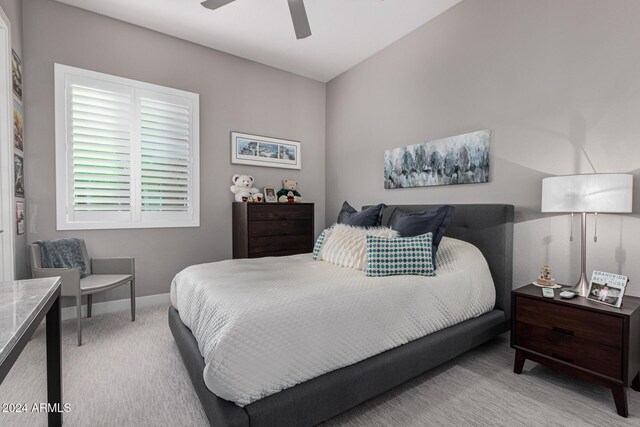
pixel 214 4
pixel 299 18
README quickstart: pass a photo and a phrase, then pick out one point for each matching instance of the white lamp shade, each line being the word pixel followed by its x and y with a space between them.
pixel 601 193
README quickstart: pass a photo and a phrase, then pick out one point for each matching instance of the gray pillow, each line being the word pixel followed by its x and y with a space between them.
pixel 410 224
pixel 369 217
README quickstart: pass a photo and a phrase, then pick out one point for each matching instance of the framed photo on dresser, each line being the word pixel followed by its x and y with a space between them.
pixel 607 288
pixel 270 195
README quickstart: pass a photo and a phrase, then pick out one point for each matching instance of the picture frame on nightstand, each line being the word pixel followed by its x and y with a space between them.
pixel 607 288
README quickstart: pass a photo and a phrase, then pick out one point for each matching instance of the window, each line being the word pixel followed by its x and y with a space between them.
pixel 126 153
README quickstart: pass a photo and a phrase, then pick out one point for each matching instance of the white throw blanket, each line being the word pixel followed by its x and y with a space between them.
pixel 264 325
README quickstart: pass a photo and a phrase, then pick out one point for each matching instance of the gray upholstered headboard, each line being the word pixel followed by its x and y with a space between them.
pixel 489 227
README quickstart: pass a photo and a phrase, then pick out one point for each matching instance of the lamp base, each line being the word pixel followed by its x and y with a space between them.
pixel 582 287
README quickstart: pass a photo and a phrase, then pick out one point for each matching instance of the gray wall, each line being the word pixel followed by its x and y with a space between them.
pixel 13 10
pixel 235 94
pixel 557 83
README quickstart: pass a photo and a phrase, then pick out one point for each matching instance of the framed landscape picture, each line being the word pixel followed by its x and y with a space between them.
pixel 258 150
pixel 460 159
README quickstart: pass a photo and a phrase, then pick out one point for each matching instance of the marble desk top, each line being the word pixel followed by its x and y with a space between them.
pixel 20 302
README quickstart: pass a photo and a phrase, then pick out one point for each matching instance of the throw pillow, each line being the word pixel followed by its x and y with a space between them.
pixel 319 243
pixel 399 256
pixel 410 224
pixel 346 245
pixel 369 217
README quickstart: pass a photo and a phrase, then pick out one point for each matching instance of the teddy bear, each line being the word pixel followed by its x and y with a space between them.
pixel 243 189
pixel 289 192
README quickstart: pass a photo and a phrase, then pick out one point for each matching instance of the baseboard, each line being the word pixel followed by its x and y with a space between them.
pixel 115 306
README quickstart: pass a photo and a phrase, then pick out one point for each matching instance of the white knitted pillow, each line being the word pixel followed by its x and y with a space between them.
pixel 346 246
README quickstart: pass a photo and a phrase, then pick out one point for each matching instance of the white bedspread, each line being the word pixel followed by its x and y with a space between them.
pixel 264 325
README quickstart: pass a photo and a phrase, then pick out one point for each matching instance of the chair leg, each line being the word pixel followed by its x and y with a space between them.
pixel 79 318
pixel 89 302
pixel 133 300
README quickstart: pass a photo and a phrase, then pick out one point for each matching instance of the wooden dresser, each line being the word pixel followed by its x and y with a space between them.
pixel 583 338
pixel 272 229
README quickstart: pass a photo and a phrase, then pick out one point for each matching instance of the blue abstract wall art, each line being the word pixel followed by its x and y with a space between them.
pixel 461 159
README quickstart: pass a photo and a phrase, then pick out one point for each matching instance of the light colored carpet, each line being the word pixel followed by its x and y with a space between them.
pixel 131 374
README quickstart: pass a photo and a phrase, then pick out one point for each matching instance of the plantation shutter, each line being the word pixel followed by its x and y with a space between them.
pixel 165 148
pixel 100 142
pixel 127 153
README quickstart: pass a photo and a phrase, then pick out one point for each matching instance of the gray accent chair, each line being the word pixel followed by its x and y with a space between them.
pixel 104 274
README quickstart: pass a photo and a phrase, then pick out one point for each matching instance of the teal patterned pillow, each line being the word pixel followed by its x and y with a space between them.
pixel 401 255
pixel 319 242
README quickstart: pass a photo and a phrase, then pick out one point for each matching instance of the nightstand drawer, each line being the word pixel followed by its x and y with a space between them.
pixel 581 352
pixel 576 322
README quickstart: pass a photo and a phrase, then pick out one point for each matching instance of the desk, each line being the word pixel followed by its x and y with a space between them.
pixel 23 305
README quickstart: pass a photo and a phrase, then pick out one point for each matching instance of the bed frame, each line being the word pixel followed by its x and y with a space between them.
pixel 487 226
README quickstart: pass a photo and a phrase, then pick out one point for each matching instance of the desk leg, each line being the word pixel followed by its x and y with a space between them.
pixel 636 383
pixel 54 364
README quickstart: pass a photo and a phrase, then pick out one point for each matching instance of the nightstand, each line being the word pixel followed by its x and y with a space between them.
pixel 598 343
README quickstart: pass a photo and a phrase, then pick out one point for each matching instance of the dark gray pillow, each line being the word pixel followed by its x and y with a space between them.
pixel 410 224
pixel 369 217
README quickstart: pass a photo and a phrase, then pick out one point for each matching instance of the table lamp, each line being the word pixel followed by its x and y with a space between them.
pixel 588 193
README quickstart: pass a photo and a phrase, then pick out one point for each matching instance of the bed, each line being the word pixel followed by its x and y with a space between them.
pixel 487 227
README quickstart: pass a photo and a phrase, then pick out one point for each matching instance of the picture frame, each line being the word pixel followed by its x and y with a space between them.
pixel 18 173
pixel 256 150
pixel 270 195
pixel 607 288
pixel 16 73
pixel 20 218
pixel 18 125
pixel 454 160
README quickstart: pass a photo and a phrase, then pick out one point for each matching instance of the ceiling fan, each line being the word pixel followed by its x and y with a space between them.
pixel 296 7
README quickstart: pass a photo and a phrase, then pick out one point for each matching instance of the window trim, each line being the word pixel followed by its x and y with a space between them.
pixel 137 218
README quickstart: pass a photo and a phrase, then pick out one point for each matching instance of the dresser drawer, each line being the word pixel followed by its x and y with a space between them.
pixel 300 244
pixel 576 322
pixel 581 352
pixel 280 212
pixel 294 227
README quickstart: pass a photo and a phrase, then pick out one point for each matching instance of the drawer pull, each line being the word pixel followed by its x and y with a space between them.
pixel 564 359
pixel 562 331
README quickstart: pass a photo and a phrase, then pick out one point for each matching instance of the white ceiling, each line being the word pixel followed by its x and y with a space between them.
pixel 345 32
